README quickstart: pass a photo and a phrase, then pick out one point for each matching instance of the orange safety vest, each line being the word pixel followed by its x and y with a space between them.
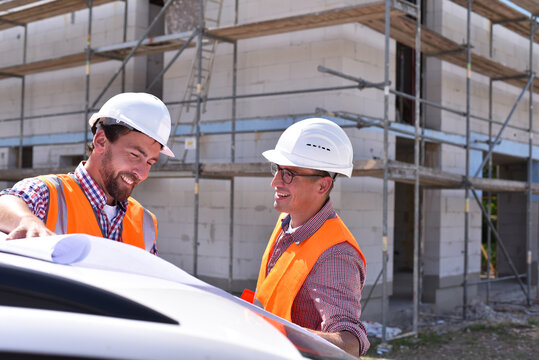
pixel 70 212
pixel 277 291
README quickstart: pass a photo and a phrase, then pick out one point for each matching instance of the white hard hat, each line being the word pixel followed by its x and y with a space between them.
pixel 314 143
pixel 140 111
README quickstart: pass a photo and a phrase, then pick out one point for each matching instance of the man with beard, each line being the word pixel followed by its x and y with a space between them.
pixel 130 131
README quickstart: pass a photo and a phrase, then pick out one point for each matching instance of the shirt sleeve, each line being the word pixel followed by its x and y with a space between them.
pixel 34 192
pixel 334 287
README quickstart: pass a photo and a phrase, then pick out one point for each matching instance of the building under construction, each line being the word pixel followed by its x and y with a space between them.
pixel 436 96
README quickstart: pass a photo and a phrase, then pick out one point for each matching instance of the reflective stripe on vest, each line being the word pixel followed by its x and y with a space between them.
pixel 277 291
pixel 71 212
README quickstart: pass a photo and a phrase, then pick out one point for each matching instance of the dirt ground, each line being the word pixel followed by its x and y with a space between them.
pixel 498 331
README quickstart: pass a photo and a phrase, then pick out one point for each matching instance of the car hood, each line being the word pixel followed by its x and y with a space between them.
pixel 202 310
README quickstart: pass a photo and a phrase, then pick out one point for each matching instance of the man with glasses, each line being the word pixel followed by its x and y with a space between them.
pixel 313 271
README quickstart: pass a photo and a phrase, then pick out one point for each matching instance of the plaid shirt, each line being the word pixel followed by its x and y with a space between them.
pixel 35 193
pixel 329 299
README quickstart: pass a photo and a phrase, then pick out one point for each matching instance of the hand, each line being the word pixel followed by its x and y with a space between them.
pixel 343 339
pixel 29 226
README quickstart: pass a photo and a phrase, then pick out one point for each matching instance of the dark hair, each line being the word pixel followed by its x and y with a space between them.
pixel 331 175
pixel 112 133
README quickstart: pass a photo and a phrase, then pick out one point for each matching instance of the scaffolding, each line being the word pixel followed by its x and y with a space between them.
pixel 398 20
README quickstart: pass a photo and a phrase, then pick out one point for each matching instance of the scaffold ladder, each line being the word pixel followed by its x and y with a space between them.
pixel 212 19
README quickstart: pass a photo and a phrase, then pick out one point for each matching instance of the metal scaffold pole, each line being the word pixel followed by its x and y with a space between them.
pixel 23 91
pixel 197 132
pixel 124 39
pixel 489 194
pixel 417 104
pixel 467 170
pixel 385 182
pixel 233 151
pixel 529 222
pixel 87 98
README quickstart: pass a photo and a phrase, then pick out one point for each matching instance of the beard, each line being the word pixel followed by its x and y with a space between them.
pixel 113 183
pixel 117 188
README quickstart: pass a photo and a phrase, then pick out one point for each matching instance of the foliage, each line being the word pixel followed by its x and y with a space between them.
pixel 485 227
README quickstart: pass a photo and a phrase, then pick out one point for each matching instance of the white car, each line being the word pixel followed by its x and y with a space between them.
pixel 82 297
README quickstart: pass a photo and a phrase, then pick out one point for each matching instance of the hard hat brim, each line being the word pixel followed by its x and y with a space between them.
pixel 277 157
pixel 93 119
pixel 166 151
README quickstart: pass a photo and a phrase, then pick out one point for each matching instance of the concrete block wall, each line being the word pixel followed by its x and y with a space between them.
pixel 172 202
pixel 446 84
pixel 11 45
pixel 444 247
pixel 254 10
pixel 360 202
pixel 47 156
pixel 7 158
pixel 289 62
pixel 362 210
pixel 444 220
pixel 508 48
pixel 11 106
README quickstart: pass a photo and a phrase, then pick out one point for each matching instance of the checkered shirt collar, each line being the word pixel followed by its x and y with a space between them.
pixel 312 225
pixel 95 195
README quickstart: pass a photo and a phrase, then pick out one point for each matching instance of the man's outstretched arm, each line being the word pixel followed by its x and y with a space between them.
pixel 18 221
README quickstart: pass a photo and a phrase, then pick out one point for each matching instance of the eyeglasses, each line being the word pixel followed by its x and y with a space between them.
pixel 288 176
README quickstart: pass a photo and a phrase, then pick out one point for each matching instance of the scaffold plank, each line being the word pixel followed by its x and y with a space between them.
pixel 119 52
pixel 43 11
pixel 501 13
pixel 397 171
pixel 60 63
pixel 151 45
pixel 433 44
pixel 7 5
pixel 302 22
pixel 531 5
